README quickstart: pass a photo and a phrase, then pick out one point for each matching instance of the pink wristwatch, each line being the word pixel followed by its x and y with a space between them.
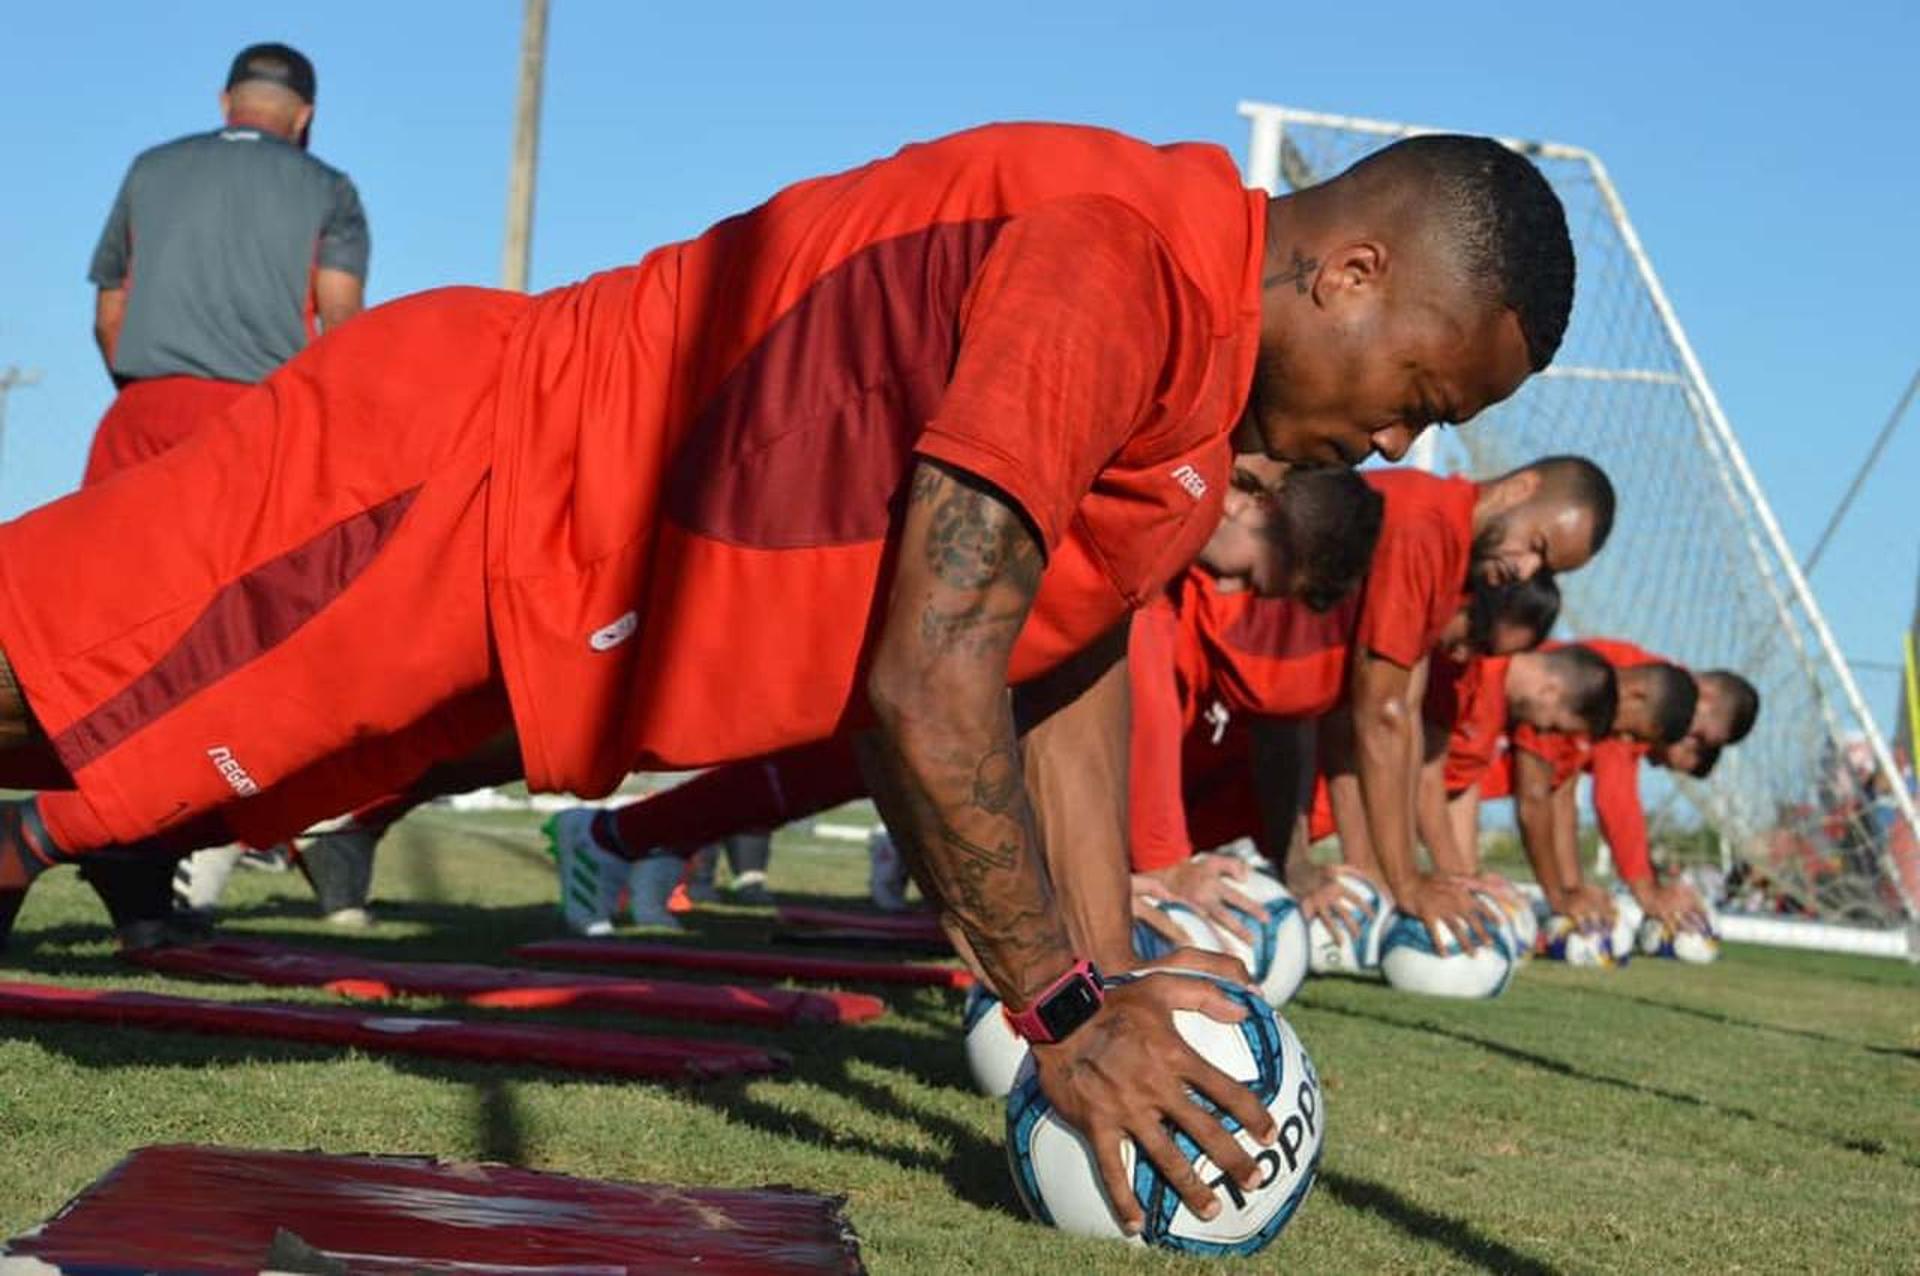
pixel 1068 1002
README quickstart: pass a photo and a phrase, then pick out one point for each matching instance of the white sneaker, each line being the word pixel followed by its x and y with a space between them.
pixel 201 878
pixel 649 886
pixel 886 873
pixel 590 877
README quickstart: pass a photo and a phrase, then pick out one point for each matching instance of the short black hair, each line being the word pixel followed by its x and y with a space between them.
pixel 1501 213
pixel 1709 759
pixel 1673 695
pixel 1533 604
pixel 1742 697
pixel 1593 690
pixel 1579 481
pixel 1329 519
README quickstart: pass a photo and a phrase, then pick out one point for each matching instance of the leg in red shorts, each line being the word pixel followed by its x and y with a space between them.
pixel 283 617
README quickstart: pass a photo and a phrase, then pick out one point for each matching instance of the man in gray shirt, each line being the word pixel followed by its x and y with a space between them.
pixel 224 254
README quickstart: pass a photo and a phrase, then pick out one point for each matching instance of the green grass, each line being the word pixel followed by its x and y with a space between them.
pixel 1762 1114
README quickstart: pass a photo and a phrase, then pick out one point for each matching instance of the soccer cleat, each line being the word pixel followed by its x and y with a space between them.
pixel 750 888
pixel 199 879
pixel 590 877
pixel 348 919
pixel 649 888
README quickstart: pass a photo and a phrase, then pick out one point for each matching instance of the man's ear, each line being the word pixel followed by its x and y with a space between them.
pixel 1354 267
pixel 226 103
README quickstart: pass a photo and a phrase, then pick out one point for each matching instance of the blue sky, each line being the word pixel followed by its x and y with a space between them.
pixel 1765 153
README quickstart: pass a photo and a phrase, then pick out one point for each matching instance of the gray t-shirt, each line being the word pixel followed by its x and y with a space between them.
pixel 216 237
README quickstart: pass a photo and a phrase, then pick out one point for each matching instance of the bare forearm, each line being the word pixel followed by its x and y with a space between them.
pixel 1533 811
pixel 956 795
pixel 1076 773
pixel 1383 740
pixel 1435 824
pixel 1566 835
pixel 945 762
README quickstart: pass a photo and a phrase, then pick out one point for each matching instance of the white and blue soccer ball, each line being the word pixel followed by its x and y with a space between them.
pixel 1277 958
pixel 1566 941
pixel 1058 1181
pixel 1696 947
pixel 1411 963
pixel 1627 916
pixel 1519 910
pixel 1331 950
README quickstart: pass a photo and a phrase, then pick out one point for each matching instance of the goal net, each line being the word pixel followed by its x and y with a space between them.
pixel 1808 811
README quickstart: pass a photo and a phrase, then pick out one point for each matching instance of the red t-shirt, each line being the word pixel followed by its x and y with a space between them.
pixel 1614 764
pixel 700 460
pixel 1473 699
pixel 1239 655
pixel 1418 575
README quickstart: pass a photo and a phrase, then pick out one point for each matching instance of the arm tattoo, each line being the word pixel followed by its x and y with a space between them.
pixel 998 784
pixel 1299 272
pixel 976 540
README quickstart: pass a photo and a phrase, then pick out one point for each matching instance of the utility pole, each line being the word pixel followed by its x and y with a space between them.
pixel 8 380
pixel 517 254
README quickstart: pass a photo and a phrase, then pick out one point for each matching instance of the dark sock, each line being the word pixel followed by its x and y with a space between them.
pixel 749 852
pixel 26 849
pixel 136 886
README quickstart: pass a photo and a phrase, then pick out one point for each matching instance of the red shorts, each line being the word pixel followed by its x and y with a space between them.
pixel 151 417
pixel 1222 803
pixel 284 617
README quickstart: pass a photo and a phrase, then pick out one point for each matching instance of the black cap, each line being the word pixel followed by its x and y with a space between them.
pixel 276 64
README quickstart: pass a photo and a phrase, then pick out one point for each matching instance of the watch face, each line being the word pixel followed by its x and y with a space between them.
pixel 1070 1007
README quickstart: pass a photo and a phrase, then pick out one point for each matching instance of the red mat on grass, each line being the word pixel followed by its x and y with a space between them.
pixel 224 1212
pixel 630 952
pixel 548 1045
pixel 922 927
pixel 256 961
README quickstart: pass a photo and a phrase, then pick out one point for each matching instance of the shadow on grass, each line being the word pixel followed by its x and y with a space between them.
pixel 1756 1025
pixel 1560 1067
pixel 499 1128
pixel 1468 1244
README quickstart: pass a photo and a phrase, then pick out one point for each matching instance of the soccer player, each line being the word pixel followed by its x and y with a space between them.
pixel 1249 775
pixel 1473 706
pixel 1725 710
pixel 1656 709
pixel 1554 514
pixel 866 457
pixel 246 245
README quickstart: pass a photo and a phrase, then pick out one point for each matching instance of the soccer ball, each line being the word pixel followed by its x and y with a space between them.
pixel 1567 942
pixel 1627 916
pixel 1199 931
pixel 1057 1179
pixel 994 1050
pixel 1657 939
pixel 1277 958
pixel 1411 963
pixel 1520 915
pixel 1331 950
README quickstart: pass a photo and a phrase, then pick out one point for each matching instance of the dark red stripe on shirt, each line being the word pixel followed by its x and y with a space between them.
pixel 246 619
pixel 807 441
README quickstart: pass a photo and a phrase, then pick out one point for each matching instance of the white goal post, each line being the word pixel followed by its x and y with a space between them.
pixel 1811 805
